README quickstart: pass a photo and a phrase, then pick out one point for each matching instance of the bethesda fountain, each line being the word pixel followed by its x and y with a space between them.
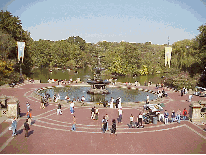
pixel 98 85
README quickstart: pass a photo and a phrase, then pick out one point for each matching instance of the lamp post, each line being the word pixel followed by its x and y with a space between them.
pixel 20 60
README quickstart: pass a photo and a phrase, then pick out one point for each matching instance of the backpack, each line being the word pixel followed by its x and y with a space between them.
pixel 185 112
pixel 28 115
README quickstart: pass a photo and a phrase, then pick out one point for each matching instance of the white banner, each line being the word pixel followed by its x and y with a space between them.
pixel 21 46
pixel 168 51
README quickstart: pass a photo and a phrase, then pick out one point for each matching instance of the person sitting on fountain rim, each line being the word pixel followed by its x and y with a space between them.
pixel 82 100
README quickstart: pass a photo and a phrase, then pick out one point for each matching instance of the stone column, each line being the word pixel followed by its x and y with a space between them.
pixel 13 107
pixel 194 112
pixel 3 101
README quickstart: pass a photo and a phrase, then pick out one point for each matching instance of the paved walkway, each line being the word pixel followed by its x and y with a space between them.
pixel 50 133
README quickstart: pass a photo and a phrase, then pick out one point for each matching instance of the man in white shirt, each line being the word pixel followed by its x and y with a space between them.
pixel 120 115
pixel 72 107
pixel 131 120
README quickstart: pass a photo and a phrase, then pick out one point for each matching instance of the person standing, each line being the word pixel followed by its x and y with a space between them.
pixel 42 104
pixel 57 98
pixel 113 129
pixel 120 103
pixel 178 115
pixel 166 115
pixel 107 119
pixel 96 113
pixel 54 98
pixel 59 109
pixel 173 116
pixel 74 124
pixel 26 128
pixel 92 112
pixel 13 126
pixel 117 102
pixel 140 119
pixel 111 102
pixel 190 97
pixel 181 92
pixel 147 99
pixel 29 117
pixel 104 124
pixel 120 115
pixel 184 113
pixel 131 120
pixel 72 107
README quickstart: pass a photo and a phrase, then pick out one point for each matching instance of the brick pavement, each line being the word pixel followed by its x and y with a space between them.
pixel 51 133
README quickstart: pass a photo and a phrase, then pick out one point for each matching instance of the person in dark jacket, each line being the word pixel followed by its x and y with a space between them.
pixel 113 129
pixel 104 124
pixel 173 116
pixel 26 128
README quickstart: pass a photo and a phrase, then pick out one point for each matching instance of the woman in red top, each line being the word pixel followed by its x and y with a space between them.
pixel 184 113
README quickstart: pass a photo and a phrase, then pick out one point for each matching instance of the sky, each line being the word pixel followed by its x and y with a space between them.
pixel 136 21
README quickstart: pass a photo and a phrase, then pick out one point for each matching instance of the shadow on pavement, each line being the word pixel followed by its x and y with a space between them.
pixel 19 132
pixel 33 122
pixel 22 114
pixel 30 132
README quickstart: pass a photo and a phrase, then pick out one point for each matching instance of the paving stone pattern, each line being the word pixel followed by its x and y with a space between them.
pixel 50 133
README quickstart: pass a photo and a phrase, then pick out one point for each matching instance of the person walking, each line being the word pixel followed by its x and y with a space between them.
pixel 13 127
pixel 72 107
pixel 190 97
pixel 113 129
pixel 59 111
pixel 74 124
pixel 120 115
pixel 166 115
pixel 104 124
pixel 184 113
pixel 178 115
pixel 173 116
pixel 28 114
pixel 96 113
pixel 28 106
pixel 26 128
pixel 107 119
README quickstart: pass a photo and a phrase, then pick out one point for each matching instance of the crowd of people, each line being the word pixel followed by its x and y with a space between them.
pixel 141 117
